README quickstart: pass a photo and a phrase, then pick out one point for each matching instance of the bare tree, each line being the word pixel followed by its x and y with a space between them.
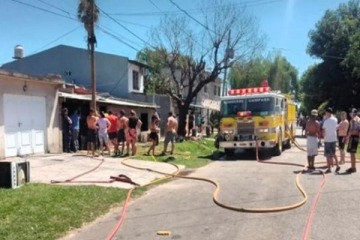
pixel 196 52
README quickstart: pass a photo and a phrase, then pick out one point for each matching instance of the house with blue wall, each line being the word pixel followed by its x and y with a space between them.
pixel 119 80
pixel 116 75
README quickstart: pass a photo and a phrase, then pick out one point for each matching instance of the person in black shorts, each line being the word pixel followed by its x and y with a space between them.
pixel 91 121
pixel 134 124
pixel 353 139
pixel 121 137
pixel 154 138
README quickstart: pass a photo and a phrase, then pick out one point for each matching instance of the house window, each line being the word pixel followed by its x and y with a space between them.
pixel 135 77
pixel 205 88
pixel 215 90
pixel 218 88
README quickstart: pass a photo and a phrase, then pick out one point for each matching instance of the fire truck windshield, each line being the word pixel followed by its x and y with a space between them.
pixel 258 106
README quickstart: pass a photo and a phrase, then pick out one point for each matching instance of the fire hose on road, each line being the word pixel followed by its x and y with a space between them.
pixel 215 195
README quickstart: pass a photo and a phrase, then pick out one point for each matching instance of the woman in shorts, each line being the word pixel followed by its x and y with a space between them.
pixel 154 138
pixel 134 124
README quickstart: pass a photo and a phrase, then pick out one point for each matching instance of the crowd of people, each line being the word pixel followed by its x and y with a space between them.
pixel 343 132
pixel 115 133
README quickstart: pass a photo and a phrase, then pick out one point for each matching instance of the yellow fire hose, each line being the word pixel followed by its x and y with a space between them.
pixel 217 189
pixel 215 193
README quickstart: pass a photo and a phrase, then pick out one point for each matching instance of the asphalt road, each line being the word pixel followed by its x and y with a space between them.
pixel 185 207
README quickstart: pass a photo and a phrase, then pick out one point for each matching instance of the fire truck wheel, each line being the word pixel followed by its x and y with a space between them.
pixel 287 144
pixel 278 148
pixel 229 151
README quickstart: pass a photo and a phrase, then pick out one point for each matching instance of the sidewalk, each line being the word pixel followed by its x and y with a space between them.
pixel 60 167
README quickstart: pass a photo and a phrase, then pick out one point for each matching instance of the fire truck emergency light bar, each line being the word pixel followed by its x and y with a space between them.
pixel 243 91
pixel 243 114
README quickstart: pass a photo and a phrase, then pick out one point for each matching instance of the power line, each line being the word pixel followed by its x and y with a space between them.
pixel 154 5
pixel 45 10
pixel 58 38
pixel 187 14
pixel 117 38
pixel 294 52
pixel 255 3
pixel 263 3
pixel 74 19
pixel 127 29
pixel 119 81
pixel 183 30
pixel 194 10
pixel 53 6
pixel 132 23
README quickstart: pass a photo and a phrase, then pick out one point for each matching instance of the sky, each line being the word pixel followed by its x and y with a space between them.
pixel 41 24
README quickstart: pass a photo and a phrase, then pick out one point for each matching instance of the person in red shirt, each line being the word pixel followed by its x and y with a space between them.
pixel 112 132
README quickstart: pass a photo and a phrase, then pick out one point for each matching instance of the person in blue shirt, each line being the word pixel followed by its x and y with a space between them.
pixel 75 118
pixel 198 123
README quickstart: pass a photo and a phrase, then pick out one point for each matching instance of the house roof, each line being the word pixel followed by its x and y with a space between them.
pixel 139 63
pixel 62 46
pixel 49 79
pixel 109 100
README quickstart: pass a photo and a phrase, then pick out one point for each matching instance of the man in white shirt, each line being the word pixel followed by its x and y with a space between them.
pixel 330 139
pixel 104 125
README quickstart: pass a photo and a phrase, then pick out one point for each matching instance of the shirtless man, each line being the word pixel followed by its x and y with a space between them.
pixel 121 126
pixel 91 121
pixel 113 131
pixel 312 132
pixel 171 128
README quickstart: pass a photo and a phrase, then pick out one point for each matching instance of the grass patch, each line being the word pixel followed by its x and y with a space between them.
pixel 192 153
pixel 41 211
pixel 357 153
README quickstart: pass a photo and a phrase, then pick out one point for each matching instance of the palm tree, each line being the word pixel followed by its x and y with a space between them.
pixel 88 14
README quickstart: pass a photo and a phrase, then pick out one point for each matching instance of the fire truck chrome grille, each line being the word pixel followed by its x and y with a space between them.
pixel 246 128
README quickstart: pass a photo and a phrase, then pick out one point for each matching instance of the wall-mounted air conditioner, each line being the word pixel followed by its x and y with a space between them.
pixel 14 174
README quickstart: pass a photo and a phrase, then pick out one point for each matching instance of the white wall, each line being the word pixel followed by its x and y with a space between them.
pixel 133 67
pixel 14 85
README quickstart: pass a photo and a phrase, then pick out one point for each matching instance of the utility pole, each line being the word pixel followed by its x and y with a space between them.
pixel 92 41
pixel 228 55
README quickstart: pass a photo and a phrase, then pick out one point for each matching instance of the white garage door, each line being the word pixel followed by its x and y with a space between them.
pixel 25 127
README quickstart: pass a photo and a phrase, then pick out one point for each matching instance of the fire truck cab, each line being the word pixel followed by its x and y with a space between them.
pixel 256 116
